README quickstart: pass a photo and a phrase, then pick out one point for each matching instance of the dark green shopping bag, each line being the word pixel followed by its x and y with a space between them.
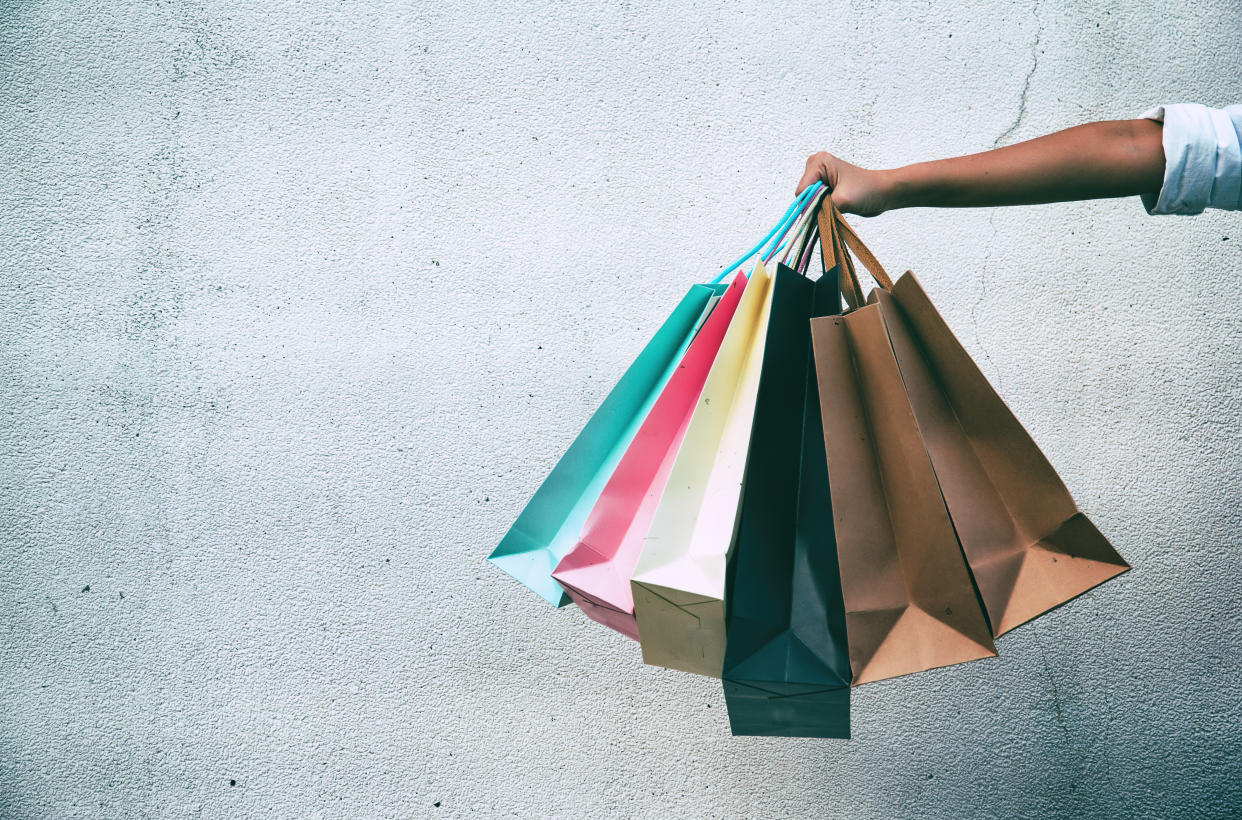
pixel 786 668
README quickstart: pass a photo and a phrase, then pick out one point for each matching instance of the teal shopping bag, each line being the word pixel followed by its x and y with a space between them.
pixel 550 523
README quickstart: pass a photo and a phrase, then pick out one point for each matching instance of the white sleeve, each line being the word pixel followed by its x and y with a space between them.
pixel 1202 159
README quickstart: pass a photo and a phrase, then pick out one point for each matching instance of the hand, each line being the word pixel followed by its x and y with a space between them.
pixel 854 190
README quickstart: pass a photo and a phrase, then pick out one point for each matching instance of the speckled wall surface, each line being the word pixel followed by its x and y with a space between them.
pixel 301 300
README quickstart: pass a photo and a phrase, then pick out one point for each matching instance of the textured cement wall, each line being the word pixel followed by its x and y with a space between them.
pixel 302 299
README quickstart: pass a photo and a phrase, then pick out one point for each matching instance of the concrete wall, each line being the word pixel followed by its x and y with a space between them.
pixel 301 300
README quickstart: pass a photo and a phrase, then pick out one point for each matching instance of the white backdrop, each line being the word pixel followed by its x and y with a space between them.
pixel 301 300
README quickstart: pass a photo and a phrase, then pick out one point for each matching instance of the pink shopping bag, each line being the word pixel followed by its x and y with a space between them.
pixel 596 571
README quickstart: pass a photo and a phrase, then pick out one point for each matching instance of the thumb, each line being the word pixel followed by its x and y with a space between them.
pixel 818 168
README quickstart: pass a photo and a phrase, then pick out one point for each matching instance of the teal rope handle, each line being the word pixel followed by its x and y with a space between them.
pixel 782 234
pixel 791 213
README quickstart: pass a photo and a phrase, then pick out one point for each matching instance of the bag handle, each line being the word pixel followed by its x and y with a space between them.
pixel 840 237
pixel 799 249
pixel 809 240
pixel 830 243
pixel 796 230
pixel 800 238
pixel 799 234
pixel 790 216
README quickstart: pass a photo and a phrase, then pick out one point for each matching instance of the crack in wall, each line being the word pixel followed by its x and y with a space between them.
pixel 1026 82
pixel 983 294
pixel 1008 132
pixel 1070 747
pixel 1056 695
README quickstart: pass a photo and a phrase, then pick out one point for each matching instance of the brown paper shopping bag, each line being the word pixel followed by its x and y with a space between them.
pixel 910 603
pixel 1028 546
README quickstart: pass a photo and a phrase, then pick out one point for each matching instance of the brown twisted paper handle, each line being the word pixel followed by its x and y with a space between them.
pixel 835 237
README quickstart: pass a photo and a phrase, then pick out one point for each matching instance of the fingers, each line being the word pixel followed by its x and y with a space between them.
pixel 854 190
pixel 816 169
pixel 808 177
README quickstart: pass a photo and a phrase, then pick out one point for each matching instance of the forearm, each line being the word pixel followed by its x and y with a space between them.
pixel 1092 161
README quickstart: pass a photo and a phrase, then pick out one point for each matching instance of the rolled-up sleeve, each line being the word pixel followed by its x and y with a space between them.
pixel 1202 159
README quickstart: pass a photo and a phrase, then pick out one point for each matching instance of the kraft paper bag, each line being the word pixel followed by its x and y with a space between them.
pixel 1029 547
pixel 550 523
pixel 910 601
pixel 679 581
pixel 786 669
pixel 596 571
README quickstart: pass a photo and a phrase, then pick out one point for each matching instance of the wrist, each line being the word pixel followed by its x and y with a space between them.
pixel 902 187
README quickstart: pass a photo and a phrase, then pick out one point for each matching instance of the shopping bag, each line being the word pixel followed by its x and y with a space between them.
pixel 910 603
pixel 1028 546
pixel 786 669
pixel 679 582
pixel 596 571
pixel 551 521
